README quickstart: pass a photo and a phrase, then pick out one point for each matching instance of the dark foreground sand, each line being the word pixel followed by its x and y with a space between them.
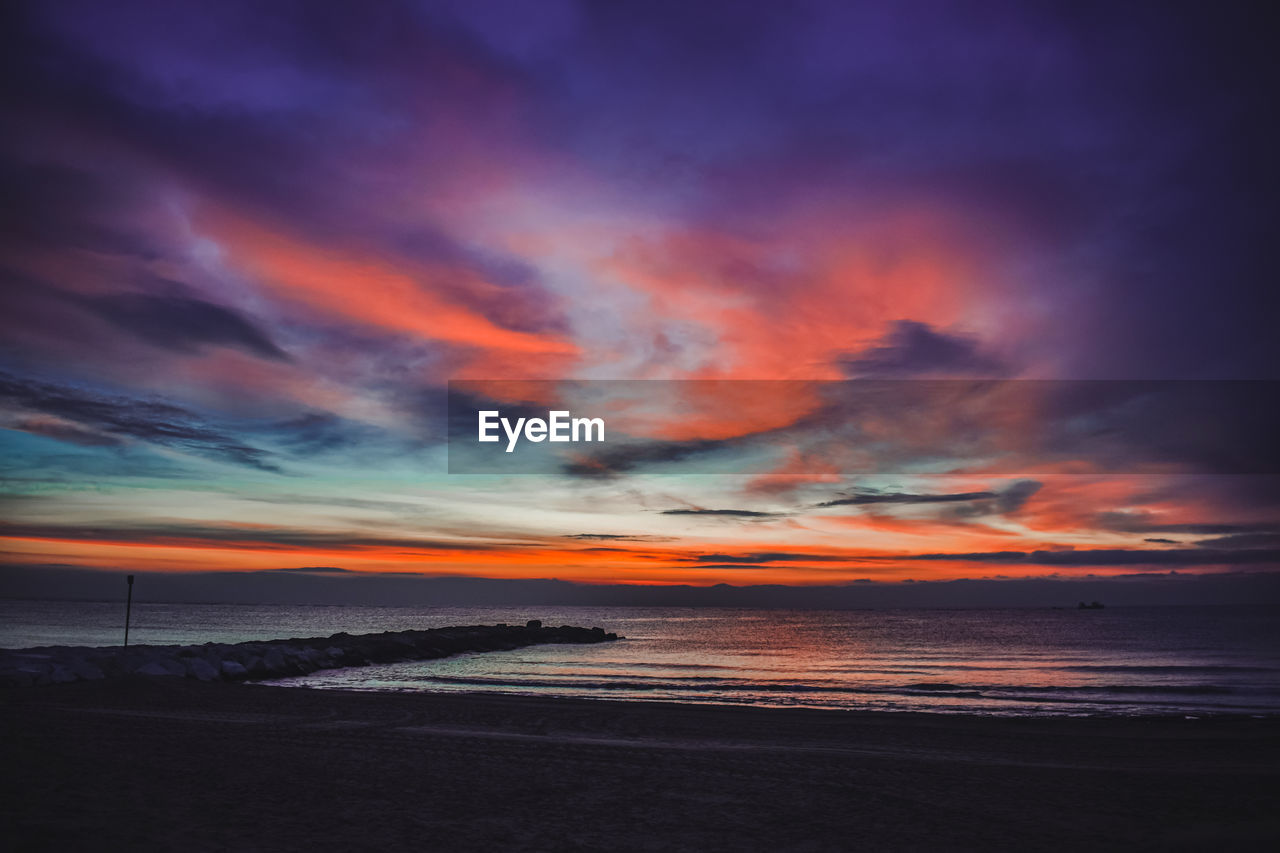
pixel 176 765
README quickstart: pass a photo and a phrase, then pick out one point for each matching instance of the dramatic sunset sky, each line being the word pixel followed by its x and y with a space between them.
pixel 246 247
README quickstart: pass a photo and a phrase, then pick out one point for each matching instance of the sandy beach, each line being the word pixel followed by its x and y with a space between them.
pixel 170 764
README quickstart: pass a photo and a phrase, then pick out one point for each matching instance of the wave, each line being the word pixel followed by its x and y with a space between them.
pixel 707 685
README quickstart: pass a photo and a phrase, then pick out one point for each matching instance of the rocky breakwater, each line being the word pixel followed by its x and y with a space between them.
pixel 274 658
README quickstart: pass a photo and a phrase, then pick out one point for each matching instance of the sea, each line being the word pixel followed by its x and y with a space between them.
pixel 1125 661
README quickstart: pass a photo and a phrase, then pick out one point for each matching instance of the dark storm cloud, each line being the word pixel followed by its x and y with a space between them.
pixel 622 459
pixel 1226 427
pixel 1243 540
pixel 912 349
pixel 1158 541
pixel 1190 427
pixel 1005 502
pixel 1015 497
pixel 613 537
pixel 764 557
pixel 315 570
pixel 105 232
pixel 1142 522
pixel 149 421
pixel 86 216
pixel 180 323
pixel 868 498
pixel 729 513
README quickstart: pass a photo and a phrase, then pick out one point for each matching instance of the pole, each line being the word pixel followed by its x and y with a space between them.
pixel 128 610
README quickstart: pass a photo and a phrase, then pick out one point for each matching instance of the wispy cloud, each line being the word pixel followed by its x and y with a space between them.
pixel 144 420
pixel 245 536
pixel 917 349
pixel 615 537
pixel 868 498
pixel 180 323
pixel 723 513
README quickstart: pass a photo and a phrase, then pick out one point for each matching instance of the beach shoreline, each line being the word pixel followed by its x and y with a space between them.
pixel 155 764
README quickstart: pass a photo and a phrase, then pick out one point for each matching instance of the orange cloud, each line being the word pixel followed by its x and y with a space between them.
pixel 391 295
pixel 789 304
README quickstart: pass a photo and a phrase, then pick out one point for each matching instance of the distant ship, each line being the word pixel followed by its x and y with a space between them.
pixel 1097 605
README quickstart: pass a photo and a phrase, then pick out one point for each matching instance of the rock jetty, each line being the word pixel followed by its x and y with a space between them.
pixel 274 658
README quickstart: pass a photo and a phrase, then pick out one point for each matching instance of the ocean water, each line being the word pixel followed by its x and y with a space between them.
pixel 1117 661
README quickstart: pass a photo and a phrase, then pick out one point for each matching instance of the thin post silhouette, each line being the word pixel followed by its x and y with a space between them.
pixel 128 610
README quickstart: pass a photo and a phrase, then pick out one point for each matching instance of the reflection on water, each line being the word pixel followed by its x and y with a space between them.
pixel 1023 661
pixel 1130 661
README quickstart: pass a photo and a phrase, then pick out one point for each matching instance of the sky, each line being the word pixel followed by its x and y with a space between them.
pixel 246 247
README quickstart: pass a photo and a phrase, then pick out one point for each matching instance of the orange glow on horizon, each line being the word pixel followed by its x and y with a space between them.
pixel 703 566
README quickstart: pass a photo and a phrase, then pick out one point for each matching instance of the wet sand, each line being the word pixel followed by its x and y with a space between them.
pixel 172 764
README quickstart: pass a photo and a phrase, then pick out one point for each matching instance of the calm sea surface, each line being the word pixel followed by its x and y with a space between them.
pixel 1158 660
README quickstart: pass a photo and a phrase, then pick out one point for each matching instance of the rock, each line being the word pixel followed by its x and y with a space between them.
pixel 62 675
pixel 232 669
pixel 222 661
pixel 87 671
pixel 159 664
pixel 155 668
pixel 201 669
